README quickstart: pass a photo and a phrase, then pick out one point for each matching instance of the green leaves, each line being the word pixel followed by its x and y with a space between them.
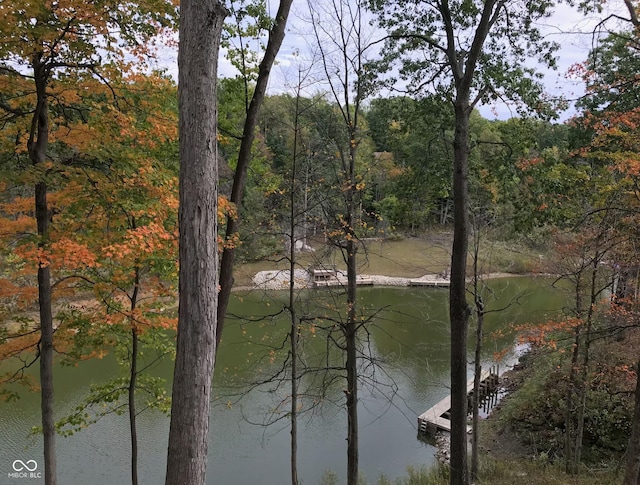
pixel 434 44
pixel 112 398
pixel 244 35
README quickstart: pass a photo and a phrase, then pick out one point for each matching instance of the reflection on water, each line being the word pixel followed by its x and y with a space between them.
pixel 409 334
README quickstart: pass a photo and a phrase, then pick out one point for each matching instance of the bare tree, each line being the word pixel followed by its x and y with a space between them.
pixel 341 45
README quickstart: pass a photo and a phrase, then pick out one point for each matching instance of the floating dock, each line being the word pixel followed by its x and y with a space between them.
pixel 436 418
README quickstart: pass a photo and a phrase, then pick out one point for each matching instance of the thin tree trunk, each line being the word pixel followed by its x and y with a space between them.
pixel 133 374
pixel 463 67
pixel 132 405
pixel 584 368
pixel 632 473
pixel 458 308
pixel 292 303
pixel 352 326
pixel 294 387
pixel 352 369
pixel 276 36
pixel 37 146
pixel 569 442
pixel 46 339
pixel 568 418
pixel 200 30
pixel 479 304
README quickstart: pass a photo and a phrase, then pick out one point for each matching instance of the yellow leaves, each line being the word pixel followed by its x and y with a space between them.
pixel 223 140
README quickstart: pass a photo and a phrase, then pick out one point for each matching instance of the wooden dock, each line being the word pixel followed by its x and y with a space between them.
pixel 331 277
pixel 360 281
pixel 436 418
pixel 430 283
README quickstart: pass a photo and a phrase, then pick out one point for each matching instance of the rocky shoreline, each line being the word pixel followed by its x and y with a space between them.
pixel 280 279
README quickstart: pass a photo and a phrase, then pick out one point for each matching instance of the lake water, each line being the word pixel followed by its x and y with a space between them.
pixel 409 333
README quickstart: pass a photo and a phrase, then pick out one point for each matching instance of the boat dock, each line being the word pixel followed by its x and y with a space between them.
pixel 436 283
pixel 436 418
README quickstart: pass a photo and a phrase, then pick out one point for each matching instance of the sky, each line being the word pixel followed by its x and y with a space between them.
pixel 571 29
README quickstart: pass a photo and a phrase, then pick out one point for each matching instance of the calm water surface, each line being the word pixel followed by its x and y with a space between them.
pixel 409 333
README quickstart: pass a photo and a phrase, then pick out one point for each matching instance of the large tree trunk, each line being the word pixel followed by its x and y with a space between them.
pixel 632 473
pixel 276 36
pixel 200 29
pixel 458 308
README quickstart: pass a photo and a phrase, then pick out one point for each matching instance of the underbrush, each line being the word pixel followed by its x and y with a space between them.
pixel 536 412
pixel 505 471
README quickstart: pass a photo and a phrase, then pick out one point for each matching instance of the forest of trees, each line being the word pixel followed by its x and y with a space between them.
pixel 131 190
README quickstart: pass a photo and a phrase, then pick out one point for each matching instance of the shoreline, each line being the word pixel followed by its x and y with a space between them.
pixel 303 279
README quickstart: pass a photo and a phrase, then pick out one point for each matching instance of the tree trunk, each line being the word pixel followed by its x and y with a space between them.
pixel 568 418
pixel 632 473
pixel 133 374
pixel 46 339
pixel 294 391
pixel 584 368
pixel 132 405
pixel 37 146
pixel 477 373
pixel 276 36
pixel 352 368
pixel 351 332
pixel 292 300
pixel 458 308
pixel 200 30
